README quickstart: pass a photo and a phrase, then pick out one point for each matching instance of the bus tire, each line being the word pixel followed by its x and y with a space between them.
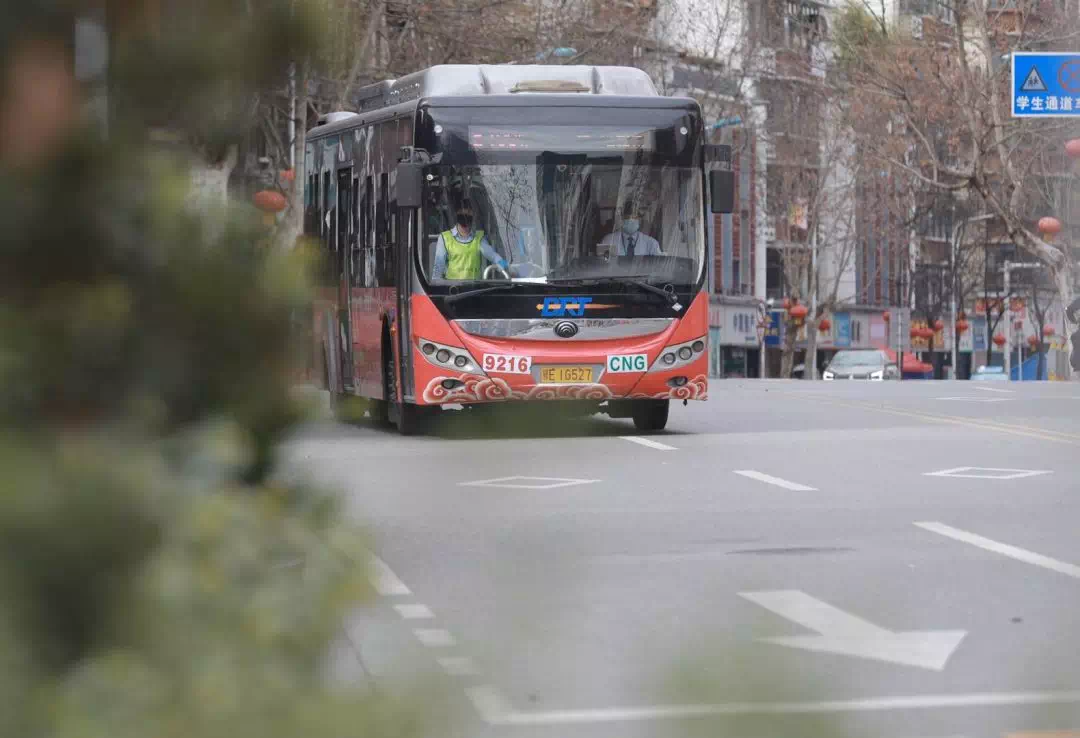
pixel 651 416
pixel 405 415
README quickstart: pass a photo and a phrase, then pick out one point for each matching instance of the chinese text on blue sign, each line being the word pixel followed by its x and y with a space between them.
pixel 1045 83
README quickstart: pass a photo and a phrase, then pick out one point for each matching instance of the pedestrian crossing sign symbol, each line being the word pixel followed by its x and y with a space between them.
pixel 1033 82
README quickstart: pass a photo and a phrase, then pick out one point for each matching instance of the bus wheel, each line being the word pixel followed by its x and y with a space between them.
pixel 405 415
pixel 651 415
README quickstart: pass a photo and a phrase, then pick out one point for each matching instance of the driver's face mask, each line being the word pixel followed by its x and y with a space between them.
pixel 631 225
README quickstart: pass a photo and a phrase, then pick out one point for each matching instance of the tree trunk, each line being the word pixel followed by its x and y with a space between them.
pixel 293 226
pixel 208 195
pixel 787 360
pixel 811 349
pixel 1063 280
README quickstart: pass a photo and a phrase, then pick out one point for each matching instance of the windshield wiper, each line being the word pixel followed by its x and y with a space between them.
pixel 454 297
pixel 670 296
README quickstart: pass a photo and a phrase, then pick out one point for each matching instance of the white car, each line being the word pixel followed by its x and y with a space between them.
pixel 871 364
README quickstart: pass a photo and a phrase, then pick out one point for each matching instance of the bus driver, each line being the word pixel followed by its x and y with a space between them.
pixel 629 240
pixel 461 251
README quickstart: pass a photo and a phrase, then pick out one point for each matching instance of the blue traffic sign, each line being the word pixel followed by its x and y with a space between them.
pixel 1045 84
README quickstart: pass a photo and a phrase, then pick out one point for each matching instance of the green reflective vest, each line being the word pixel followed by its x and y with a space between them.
pixel 463 260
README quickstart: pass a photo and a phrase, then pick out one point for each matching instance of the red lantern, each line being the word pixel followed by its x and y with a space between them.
pixel 1049 227
pixel 886 316
pixel 824 325
pixel 288 175
pixel 961 325
pixel 786 304
pixel 999 340
pixel 1032 341
pixel 1072 148
pixel 269 201
pixel 939 325
pixel 1048 330
pixel 927 333
pixel 799 312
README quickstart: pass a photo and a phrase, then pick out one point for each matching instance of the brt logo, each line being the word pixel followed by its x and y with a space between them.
pixel 558 307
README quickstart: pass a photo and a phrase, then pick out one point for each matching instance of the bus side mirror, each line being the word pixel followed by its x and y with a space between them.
pixel 722 190
pixel 409 185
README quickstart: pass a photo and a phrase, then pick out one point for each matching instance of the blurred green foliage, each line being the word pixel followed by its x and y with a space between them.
pixel 155 578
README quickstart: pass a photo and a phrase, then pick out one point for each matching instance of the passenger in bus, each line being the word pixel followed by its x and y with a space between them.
pixel 462 251
pixel 629 240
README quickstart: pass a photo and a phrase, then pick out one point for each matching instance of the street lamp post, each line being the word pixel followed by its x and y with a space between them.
pixel 952 296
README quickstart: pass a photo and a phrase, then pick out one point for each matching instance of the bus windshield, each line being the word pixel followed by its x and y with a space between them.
pixel 563 200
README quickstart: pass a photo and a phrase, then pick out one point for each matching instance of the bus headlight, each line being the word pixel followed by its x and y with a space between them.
pixel 681 354
pixel 448 357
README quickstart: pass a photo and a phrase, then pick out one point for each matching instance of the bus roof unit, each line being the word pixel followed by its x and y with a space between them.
pixel 470 80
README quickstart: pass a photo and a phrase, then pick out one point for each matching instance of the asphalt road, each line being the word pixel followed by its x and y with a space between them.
pixel 788 559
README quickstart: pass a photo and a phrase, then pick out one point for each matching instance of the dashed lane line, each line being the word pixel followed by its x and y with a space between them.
pixel 1004 549
pixel 386 583
pixel 649 443
pixel 435 637
pixel 775 481
pixel 414 612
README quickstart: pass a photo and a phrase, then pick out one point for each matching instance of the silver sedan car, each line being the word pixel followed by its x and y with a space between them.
pixel 870 364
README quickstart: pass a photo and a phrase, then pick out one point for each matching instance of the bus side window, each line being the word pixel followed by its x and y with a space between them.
pixel 384 254
pixel 356 265
pixel 367 242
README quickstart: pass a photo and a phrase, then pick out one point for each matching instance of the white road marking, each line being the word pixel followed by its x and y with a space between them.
pixel 496 711
pixel 414 612
pixel 649 443
pixel 435 637
pixel 458 666
pixel 978 472
pixel 843 633
pixel 978 399
pixel 1013 552
pixel 777 481
pixel 519 482
pixel 384 580
pixel 992 389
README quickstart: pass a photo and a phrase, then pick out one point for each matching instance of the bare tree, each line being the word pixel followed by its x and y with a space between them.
pixel 936 107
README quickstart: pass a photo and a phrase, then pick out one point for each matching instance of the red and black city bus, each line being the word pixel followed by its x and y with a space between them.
pixel 549 159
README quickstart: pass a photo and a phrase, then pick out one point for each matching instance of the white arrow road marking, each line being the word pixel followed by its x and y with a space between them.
pixel 843 633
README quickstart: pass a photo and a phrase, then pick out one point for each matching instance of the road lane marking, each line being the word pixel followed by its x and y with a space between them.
pixel 414 612
pixel 495 709
pixel 458 666
pixel 840 632
pixel 435 637
pixel 992 389
pixel 1013 552
pixel 974 472
pixel 977 399
pixel 649 443
pixel 518 482
pixel 384 580
pixel 776 481
pixel 982 424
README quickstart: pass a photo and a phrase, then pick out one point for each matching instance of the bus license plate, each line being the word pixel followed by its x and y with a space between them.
pixel 565 374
